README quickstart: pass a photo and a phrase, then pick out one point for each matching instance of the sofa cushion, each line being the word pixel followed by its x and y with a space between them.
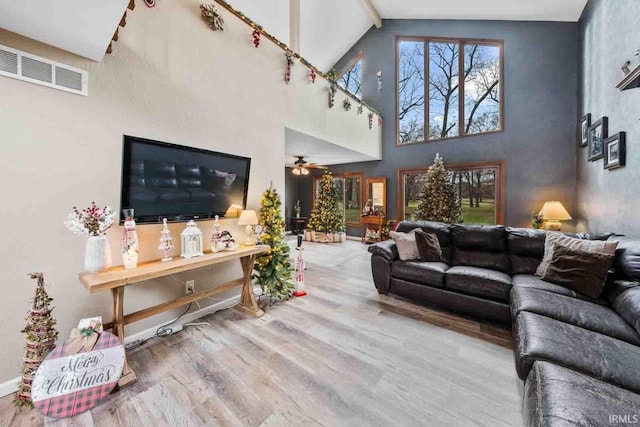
pixel 557 396
pixel 526 249
pixel 428 247
pixel 555 239
pixel 480 246
pixel 479 282
pixel 540 338
pixel 627 305
pixel 428 273
pixel 406 244
pixel 627 262
pixel 438 228
pixel 576 312
pixel 531 281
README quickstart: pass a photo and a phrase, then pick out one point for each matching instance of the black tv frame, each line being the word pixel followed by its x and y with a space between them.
pixel 125 181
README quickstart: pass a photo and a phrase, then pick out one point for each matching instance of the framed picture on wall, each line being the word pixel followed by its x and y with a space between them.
pixel 597 135
pixel 583 130
pixel 615 151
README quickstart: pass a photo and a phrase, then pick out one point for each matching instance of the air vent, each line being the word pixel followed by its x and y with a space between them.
pixel 31 68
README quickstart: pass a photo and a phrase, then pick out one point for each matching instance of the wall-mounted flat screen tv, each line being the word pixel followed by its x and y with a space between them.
pixel 162 180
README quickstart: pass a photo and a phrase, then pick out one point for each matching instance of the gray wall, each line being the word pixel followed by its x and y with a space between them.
pixel 538 144
pixel 610 35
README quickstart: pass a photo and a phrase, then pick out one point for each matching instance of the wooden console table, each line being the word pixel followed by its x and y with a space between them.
pixel 366 221
pixel 117 278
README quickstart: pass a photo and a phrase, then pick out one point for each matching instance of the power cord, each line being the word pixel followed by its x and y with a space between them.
pixel 162 331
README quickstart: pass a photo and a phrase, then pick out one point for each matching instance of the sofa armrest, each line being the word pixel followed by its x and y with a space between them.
pixel 386 249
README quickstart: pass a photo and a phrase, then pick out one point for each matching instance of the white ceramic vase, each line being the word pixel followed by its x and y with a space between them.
pixel 97 254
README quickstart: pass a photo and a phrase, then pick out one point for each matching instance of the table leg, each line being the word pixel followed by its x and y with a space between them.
pixel 248 302
pixel 128 377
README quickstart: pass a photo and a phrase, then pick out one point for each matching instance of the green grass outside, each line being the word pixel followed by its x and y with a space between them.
pixel 485 214
pixel 352 215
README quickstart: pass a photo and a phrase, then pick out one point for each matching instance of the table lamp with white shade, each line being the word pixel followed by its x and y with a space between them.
pixel 552 213
pixel 250 219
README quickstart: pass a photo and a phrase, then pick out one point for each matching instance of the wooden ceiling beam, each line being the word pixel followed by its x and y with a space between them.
pixel 132 4
pixel 372 12
pixel 123 20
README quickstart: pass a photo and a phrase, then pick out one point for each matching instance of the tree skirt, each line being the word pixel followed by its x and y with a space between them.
pixel 68 385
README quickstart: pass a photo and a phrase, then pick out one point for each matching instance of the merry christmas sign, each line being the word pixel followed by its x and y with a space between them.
pixel 66 385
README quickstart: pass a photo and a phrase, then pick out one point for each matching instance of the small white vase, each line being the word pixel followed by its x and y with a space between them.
pixel 97 254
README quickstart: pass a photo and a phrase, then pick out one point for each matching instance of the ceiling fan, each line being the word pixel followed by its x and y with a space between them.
pixel 301 166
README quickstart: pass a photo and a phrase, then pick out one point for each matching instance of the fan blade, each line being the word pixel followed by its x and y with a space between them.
pixel 314 166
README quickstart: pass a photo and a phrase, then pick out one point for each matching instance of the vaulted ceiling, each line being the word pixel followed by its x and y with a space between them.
pixel 328 28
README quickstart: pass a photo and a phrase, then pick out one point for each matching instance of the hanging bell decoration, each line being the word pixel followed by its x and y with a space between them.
pixel 256 37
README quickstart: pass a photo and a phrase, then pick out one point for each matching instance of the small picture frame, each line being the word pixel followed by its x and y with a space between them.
pixel 583 130
pixel 598 132
pixel 615 151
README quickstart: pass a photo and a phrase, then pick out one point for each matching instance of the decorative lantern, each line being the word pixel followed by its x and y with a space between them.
pixel 129 240
pixel 191 241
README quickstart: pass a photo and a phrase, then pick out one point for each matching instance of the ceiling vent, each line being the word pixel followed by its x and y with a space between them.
pixel 31 68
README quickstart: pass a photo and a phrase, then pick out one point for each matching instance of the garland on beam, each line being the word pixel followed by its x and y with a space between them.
pixel 330 76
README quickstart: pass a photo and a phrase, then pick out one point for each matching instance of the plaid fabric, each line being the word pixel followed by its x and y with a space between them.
pixel 80 401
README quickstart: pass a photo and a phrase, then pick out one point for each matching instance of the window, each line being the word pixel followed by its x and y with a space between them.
pixel 480 186
pixel 462 94
pixel 351 77
pixel 349 186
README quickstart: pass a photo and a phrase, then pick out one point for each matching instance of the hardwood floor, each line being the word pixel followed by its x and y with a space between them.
pixel 342 355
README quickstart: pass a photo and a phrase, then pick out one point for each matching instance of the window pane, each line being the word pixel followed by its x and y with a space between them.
pixel 477 189
pixel 352 199
pixel 351 79
pixel 481 88
pixel 413 184
pixel 443 90
pixel 410 91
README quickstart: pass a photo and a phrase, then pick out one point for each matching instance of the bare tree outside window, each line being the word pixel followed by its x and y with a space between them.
pixel 351 79
pixel 480 81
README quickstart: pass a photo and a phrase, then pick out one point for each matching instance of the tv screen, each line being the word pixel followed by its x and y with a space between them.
pixel 162 180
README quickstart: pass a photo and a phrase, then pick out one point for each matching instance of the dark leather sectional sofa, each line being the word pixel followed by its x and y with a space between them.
pixel 579 356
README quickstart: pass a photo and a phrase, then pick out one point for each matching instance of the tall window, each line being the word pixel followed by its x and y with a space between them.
pixel 351 77
pixel 349 188
pixel 447 88
pixel 479 186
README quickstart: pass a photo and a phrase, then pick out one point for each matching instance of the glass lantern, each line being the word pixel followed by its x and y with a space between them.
pixel 191 238
pixel 129 240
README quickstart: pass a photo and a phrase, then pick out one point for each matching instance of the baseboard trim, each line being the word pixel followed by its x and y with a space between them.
pixel 11 386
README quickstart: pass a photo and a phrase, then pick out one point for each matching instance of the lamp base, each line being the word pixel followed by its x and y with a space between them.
pixel 552 225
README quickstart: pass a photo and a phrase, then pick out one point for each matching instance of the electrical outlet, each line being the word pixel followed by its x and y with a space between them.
pixel 190 287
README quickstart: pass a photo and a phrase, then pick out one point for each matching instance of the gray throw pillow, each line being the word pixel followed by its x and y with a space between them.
pixel 555 238
pixel 428 246
pixel 579 270
pixel 406 244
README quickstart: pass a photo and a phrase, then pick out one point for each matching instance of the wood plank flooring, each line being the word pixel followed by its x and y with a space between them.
pixel 341 356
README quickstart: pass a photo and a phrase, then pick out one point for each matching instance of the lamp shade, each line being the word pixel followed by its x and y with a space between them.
pixel 248 218
pixel 554 211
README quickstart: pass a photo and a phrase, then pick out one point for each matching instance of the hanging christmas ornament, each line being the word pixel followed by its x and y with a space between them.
pixel 211 16
pixel 331 75
pixel 332 94
pixel 346 104
pixel 166 242
pixel 313 75
pixel 370 120
pixel 360 108
pixel 379 75
pixel 150 3
pixel 299 290
pixel 287 73
pixel 256 37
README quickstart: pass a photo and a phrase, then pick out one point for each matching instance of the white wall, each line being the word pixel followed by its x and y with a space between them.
pixel 169 78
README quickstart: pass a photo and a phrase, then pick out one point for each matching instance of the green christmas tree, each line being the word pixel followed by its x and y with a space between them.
pixel 439 200
pixel 41 339
pixel 273 269
pixel 326 215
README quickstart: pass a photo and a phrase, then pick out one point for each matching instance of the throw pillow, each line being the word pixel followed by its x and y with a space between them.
pixel 555 238
pixel 579 270
pixel 428 246
pixel 406 244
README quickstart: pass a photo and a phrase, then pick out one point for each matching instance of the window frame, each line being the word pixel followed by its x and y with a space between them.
pixel 358 57
pixel 498 165
pixel 462 42
pixel 358 175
